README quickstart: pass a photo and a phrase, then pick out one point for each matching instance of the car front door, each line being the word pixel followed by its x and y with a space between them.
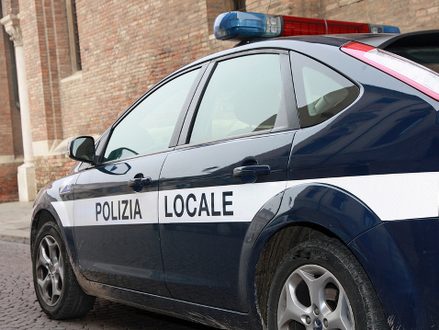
pixel 232 158
pixel 115 207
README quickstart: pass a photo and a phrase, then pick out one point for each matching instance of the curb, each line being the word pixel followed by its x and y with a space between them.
pixel 14 239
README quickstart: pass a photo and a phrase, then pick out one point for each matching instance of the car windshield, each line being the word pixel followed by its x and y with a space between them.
pixel 422 48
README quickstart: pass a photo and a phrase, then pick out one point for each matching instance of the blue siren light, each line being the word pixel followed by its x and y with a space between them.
pixel 374 28
pixel 247 25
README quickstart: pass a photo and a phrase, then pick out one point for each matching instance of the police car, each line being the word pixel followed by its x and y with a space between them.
pixel 287 183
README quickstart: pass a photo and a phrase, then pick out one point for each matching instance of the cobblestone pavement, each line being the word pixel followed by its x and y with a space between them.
pixel 20 310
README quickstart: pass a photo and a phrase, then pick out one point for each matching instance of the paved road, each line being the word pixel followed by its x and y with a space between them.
pixel 20 310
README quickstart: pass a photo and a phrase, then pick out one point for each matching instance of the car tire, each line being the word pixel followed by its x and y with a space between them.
pixel 56 287
pixel 320 285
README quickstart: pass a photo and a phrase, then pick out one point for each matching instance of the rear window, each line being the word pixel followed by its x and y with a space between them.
pixel 426 56
pixel 420 47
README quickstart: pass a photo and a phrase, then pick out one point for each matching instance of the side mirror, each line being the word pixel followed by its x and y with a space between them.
pixel 83 149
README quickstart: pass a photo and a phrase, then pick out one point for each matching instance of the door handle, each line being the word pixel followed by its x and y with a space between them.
pixel 139 182
pixel 251 170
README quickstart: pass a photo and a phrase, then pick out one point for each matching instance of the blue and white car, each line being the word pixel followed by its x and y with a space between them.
pixel 287 183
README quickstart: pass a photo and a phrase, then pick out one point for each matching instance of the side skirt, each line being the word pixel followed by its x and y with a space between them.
pixel 214 317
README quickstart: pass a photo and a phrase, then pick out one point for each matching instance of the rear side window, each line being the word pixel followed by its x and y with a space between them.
pixel 320 91
pixel 243 96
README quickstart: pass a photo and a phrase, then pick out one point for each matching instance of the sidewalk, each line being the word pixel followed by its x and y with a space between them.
pixel 15 221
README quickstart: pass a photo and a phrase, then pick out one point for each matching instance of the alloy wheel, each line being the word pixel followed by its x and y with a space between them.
pixel 313 299
pixel 49 270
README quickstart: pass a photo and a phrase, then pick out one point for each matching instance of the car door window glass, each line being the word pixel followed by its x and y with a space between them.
pixel 149 127
pixel 243 96
pixel 320 91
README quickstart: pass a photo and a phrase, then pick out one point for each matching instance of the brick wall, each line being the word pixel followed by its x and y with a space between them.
pixel 125 50
pixel 45 57
pixel 126 47
pixel 305 8
pixel 8 179
pixel 10 134
pixel 9 6
pixel 48 169
pixel 409 15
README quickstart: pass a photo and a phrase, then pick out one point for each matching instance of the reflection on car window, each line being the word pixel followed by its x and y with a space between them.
pixel 243 96
pixel 321 92
pixel 149 127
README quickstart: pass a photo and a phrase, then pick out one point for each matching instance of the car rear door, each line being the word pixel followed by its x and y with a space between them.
pixel 115 208
pixel 231 159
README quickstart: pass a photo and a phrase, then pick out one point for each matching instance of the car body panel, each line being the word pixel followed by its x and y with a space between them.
pixel 401 257
pixel 368 176
pixel 110 250
pixel 202 253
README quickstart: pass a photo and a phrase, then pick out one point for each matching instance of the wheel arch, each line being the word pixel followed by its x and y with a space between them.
pixel 45 212
pixel 272 254
pixel 42 213
pixel 38 220
pixel 290 218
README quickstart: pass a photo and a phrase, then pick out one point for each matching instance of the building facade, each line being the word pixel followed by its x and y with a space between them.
pixel 70 67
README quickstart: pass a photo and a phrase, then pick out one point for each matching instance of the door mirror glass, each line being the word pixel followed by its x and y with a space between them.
pixel 83 149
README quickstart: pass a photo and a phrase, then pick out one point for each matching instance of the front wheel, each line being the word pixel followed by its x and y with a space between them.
pixel 57 290
pixel 319 285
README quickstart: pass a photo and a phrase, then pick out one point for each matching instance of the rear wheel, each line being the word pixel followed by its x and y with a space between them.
pixel 320 285
pixel 57 290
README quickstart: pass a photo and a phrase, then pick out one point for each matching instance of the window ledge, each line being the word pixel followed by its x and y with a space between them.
pixel 75 76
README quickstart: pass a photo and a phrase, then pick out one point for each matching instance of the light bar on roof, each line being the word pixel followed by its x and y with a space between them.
pixel 247 25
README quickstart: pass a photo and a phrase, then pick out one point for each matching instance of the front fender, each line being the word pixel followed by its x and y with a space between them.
pixel 57 193
pixel 44 203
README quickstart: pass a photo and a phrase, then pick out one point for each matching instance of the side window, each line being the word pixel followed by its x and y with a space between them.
pixel 320 91
pixel 149 126
pixel 244 95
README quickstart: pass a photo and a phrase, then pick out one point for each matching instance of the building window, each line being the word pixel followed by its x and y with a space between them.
pixel 216 7
pixel 239 5
pixel 13 73
pixel 11 65
pixel 72 22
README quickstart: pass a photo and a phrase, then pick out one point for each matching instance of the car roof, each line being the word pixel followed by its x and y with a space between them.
pixel 282 42
pixel 379 40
